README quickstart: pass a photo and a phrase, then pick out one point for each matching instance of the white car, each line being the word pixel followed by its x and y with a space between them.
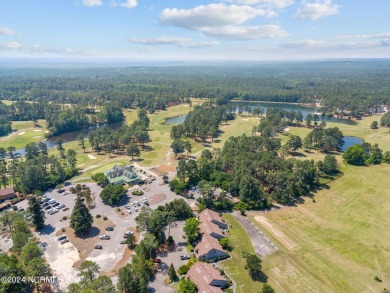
pixel 129 232
pixel 64 241
pixel 135 209
pixel 127 207
pixel 105 237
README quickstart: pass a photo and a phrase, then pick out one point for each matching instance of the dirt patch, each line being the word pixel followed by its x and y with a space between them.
pixel 165 168
pixel 279 235
pixel 92 157
pixel 85 244
pixel 287 129
pixel 21 133
pixel 37 130
pixel 157 198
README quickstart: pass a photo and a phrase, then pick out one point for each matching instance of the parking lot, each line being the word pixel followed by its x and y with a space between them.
pixel 63 256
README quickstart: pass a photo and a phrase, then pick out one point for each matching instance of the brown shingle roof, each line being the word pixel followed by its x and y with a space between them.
pixel 6 191
pixel 202 274
pixel 209 215
pixel 207 227
pixel 206 244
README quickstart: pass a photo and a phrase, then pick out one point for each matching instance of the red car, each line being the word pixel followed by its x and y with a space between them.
pixel 156 260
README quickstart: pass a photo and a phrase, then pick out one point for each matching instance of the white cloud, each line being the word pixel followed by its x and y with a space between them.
pixel 176 41
pixel 91 3
pixel 223 21
pixel 246 33
pixel 127 4
pixel 6 31
pixel 278 4
pixel 211 15
pixel 317 9
pixel 11 46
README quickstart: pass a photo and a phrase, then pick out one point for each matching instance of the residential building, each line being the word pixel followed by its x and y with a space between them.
pixel 213 217
pixel 206 278
pixel 209 248
pixel 6 194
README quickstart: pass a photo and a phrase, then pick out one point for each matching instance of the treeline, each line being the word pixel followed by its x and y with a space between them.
pixel 358 86
pixel 365 154
pixel 126 138
pixel 37 171
pixel 77 117
pixel 5 126
pixel 250 169
pixel 203 122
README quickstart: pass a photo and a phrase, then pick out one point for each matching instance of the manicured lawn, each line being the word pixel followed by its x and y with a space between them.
pixel 337 244
pixel 235 266
pixel 24 134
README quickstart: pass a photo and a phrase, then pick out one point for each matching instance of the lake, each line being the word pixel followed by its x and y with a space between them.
pixel 350 141
pixel 267 105
pixel 51 142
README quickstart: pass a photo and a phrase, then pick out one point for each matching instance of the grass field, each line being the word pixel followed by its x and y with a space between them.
pixel 337 244
pixel 25 132
pixel 235 266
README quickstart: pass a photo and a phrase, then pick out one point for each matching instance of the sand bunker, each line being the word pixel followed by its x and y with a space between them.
pixel 21 133
pixel 92 157
pixel 37 130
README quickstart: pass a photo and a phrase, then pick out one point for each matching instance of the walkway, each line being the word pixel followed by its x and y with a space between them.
pixel 261 244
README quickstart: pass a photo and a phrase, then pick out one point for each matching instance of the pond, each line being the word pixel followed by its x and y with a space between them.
pixel 51 142
pixel 350 141
pixel 267 105
pixel 176 120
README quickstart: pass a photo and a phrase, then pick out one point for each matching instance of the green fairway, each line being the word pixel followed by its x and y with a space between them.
pixel 25 132
pixel 235 266
pixel 337 244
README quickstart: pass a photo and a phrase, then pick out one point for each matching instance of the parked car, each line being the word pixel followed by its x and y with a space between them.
pixel 65 209
pixel 61 206
pixel 105 237
pixel 156 260
pixel 184 257
pixel 146 203
pixel 123 242
pixel 127 207
pixel 129 232
pixel 55 204
pixel 64 241
pixel 135 209
pixel 62 237
pixel 47 207
pixel 61 190
pixel 109 228
pixel 98 247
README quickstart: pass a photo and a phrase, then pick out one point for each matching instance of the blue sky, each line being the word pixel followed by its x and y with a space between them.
pixel 194 30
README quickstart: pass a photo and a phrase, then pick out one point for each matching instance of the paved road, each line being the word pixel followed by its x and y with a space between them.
pixel 261 244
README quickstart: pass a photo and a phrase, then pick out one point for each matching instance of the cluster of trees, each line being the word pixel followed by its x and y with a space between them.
pixel 112 194
pixel 124 139
pixel 37 171
pixel 276 120
pixel 203 122
pixel 77 117
pixel 249 168
pixel 25 260
pixel 365 154
pixel 90 281
pixel 5 126
pixel 324 139
pixel 385 120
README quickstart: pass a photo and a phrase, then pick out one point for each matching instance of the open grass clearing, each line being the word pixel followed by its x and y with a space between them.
pixel 235 265
pixel 341 242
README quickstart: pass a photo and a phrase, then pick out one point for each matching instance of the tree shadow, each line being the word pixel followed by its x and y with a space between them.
pixel 147 148
pixel 47 230
pixel 296 154
pixel 92 232
pixel 260 277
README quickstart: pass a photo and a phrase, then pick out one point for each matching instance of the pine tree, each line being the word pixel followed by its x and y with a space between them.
pixel 38 218
pixel 81 219
pixel 172 273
